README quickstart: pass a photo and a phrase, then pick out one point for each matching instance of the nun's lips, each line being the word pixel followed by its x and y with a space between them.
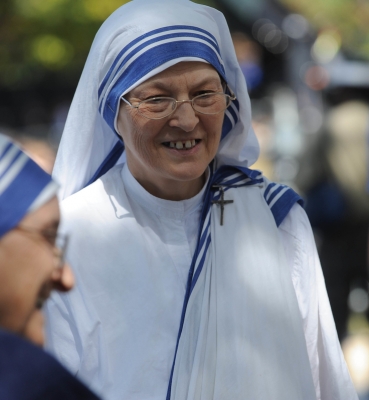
pixel 182 144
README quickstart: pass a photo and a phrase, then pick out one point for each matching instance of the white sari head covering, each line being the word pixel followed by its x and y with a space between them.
pixel 24 186
pixel 138 41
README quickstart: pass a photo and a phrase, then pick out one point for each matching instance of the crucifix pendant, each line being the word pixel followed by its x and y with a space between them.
pixel 221 202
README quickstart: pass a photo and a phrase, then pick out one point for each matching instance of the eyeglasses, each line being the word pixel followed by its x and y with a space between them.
pixel 161 107
pixel 57 241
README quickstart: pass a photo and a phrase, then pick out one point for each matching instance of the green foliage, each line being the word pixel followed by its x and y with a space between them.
pixel 43 37
pixel 350 18
pixel 38 37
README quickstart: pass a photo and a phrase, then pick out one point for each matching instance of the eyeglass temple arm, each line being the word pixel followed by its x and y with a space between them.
pixel 127 102
pixel 231 93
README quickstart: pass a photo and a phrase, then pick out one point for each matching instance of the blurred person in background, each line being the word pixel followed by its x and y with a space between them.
pixel 197 278
pixel 249 56
pixel 31 266
pixel 334 177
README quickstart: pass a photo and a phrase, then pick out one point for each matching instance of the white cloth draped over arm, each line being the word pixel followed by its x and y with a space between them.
pixel 62 333
pixel 330 374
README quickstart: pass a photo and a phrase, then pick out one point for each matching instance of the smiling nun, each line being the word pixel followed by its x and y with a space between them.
pixel 197 277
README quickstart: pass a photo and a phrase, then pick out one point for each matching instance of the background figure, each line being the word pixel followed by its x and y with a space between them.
pixel 334 178
pixel 31 266
pixel 249 56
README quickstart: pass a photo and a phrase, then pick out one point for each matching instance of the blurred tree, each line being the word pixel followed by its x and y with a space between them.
pixel 44 45
pixel 44 37
pixel 349 19
pixel 40 37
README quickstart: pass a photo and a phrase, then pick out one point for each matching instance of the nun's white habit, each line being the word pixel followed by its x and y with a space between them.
pixel 169 303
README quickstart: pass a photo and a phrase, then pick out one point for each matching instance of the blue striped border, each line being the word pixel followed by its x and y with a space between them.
pixel 5 151
pixel 20 194
pixel 15 158
pixel 152 33
pixel 227 127
pixel 283 205
pixel 148 61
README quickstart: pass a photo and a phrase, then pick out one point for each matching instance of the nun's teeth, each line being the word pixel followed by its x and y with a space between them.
pixel 188 144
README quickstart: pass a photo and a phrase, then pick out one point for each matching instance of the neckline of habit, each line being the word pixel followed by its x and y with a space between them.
pixel 178 210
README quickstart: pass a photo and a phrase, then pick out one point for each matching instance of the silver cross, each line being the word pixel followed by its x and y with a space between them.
pixel 221 202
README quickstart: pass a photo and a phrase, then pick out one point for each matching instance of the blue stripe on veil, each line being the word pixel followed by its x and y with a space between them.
pixel 281 200
pixel 152 33
pixel 148 61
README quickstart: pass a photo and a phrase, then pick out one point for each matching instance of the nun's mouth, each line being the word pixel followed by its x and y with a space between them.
pixel 182 144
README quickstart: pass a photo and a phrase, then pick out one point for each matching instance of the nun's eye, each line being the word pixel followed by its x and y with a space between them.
pixel 50 236
pixel 202 92
pixel 156 100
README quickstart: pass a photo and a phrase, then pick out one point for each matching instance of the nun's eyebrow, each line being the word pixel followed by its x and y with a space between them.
pixel 52 225
pixel 143 89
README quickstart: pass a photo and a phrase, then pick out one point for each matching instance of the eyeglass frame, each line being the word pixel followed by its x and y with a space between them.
pixel 231 97
pixel 58 238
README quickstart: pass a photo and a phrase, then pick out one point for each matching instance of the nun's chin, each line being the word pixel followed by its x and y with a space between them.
pixel 34 330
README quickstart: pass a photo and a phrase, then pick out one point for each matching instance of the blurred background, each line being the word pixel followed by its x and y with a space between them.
pixel 306 64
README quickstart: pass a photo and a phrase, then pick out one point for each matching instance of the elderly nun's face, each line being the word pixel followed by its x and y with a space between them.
pixel 29 270
pixel 165 171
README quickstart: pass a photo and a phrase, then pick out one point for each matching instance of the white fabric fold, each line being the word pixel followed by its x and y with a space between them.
pixel 87 138
pixel 242 337
pixel 118 328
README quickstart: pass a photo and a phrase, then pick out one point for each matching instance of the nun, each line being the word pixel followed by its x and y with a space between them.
pixel 31 266
pixel 197 277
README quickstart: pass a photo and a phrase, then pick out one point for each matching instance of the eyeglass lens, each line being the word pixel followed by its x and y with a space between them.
pixel 212 103
pixel 61 247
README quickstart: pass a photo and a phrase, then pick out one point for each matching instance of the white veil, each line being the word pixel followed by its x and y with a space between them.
pixel 135 43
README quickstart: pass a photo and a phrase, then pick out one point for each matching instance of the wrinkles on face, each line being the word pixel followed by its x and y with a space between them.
pixel 155 153
pixel 184 118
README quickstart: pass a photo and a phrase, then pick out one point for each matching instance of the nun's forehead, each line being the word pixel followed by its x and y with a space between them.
pixel 195 70
pixel 137 58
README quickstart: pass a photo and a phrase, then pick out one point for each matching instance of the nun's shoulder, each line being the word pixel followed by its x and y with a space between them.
pixel 94 195
pixel 28 372
pixel 296 223
pixel 281 199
